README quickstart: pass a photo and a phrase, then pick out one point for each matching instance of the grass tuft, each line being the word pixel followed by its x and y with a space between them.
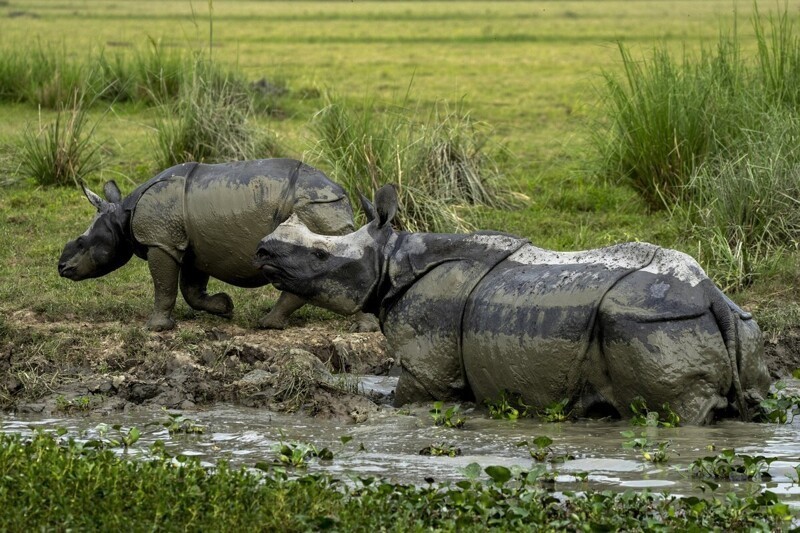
pixel 439 164
pixel 61 152
pixel 209 122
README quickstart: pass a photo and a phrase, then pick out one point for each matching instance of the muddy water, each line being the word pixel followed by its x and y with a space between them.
pixel 392 441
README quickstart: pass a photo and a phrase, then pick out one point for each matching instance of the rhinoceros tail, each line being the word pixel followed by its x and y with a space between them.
pixel 727 314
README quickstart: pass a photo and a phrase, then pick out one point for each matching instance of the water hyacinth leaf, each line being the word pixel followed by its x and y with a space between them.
pixel 543 441
pixel 472 471
pixel 499 474
pixel 133 435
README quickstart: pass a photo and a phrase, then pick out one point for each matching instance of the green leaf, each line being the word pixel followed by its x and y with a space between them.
pixel 499 474
pixel 472 471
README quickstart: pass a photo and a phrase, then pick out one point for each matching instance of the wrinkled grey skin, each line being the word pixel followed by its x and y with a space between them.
pixel 195 221
pixel 470 316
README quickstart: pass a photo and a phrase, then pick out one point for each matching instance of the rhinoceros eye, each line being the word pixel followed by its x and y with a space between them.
pixel 321 254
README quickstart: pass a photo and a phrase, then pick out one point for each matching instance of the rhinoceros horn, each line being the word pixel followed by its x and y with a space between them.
pixel 94 199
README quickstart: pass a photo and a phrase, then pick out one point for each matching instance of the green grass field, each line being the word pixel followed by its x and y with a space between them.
pixel 531 70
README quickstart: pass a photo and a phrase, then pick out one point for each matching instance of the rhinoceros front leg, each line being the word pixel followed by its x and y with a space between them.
pixel 193 287
pixel 164 270
pixel 288 303
pixel 278 317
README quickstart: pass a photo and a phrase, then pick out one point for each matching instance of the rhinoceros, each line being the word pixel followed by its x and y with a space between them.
pixel 475 315
pixel 194 221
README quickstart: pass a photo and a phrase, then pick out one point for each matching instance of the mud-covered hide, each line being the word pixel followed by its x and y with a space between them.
pixel 220 212
pixel 195 221
pixel 431 279
pixel 598 328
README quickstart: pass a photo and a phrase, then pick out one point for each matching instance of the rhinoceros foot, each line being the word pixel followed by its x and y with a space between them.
pixel 160 323
pixel 273 321
pixel 364 323
pixel 220 304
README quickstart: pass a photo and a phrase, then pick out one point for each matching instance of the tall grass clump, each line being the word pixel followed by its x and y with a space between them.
pixel 60 152
pixel 440 163
pixel 210 121
pixel 746 206
pixel 714 139
pixel 659 130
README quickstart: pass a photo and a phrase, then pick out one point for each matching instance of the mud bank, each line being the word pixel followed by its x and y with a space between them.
pixel 72 367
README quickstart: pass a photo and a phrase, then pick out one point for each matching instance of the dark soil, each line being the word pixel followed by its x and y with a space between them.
pixel 782 353
pixel 68 367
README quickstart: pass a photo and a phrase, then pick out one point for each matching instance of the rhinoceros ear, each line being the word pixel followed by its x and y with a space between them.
pixel 112 193
pixel 369 209
pixel 95 200
pixel 386 204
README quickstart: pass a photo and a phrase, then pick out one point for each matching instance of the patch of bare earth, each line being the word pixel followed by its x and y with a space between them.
pixel 782 353
pixel 74 367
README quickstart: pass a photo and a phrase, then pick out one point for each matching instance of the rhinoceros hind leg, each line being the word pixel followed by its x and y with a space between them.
pixel 278 317
pixel 193 288
pixel 164 271
pixel 682 363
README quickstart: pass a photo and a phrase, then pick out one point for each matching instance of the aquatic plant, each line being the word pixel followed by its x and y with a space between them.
pixel 555 412
pixel 659 453
pixel 541 447
pixel 52 482
pixel 654 452
pixel 297 454
pixel 449 418
pixel 643 416
pixel 123 438
pixel 441 449
pixel 732 466
pixel 779 405
pixel 79 403
pixel 177 423
pixel 506 407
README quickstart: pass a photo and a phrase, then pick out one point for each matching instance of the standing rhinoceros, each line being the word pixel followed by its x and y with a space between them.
pixel 471 316
pixel 194 221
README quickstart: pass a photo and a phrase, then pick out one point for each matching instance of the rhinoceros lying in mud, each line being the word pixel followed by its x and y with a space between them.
pixel 193 221
pixel 470 316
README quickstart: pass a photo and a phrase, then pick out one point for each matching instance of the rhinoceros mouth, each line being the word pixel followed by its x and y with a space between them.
pixel 270 272
pixel 69 272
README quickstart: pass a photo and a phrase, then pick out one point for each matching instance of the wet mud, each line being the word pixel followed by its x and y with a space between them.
pixel 74 367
